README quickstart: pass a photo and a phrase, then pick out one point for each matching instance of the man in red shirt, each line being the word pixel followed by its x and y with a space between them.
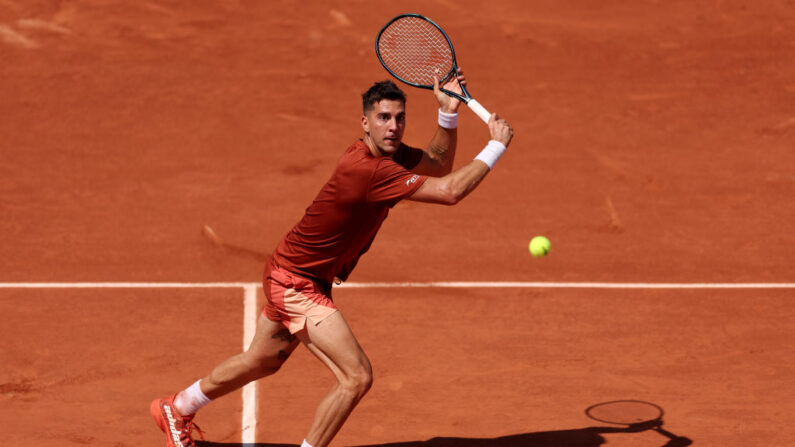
pixel 372 175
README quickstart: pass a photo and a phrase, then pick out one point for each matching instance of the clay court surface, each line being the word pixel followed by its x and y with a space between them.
pixel 655 143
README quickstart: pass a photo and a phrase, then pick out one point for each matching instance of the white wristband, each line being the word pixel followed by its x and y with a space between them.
pixel 448 120
pixel 491 153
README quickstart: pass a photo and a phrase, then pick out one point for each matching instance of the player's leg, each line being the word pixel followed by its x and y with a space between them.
pixel 270 348
pixel 333 342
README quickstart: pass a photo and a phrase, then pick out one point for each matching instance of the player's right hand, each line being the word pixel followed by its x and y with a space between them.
pixel 500 130
pixel 447 103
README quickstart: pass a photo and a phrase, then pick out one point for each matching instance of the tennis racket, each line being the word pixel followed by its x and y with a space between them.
pixel 414 49
pixel 637 415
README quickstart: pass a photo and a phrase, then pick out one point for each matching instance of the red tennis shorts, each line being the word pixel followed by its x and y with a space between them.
pixel 293 299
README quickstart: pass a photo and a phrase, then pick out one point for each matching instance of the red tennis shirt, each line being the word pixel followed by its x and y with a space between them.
pixel 341 223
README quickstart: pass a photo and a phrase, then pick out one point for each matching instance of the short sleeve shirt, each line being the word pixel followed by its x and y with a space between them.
pixel 341 223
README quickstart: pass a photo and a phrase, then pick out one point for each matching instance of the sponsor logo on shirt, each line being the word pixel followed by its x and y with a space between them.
pixel 413 179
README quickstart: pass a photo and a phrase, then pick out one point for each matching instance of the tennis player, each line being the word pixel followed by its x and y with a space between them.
pixel 375 173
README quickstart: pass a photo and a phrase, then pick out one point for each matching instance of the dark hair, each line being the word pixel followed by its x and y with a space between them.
pixel 379 91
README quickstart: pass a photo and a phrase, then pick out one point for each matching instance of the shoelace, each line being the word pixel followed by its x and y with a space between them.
pixel 188 430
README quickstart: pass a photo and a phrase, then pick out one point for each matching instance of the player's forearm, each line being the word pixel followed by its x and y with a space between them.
pixel 459 183
pixel 453 187
pixel 441 150
pixel 462 181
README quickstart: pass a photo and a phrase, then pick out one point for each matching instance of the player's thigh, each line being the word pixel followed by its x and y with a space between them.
pixel 333 342
pixel 272 342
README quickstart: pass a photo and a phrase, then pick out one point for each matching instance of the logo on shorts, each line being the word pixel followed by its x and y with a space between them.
pixel 413 179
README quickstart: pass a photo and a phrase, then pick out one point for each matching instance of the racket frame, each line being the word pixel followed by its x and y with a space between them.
pixel 466 98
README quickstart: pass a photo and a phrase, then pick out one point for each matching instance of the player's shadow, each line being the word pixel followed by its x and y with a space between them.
pixel 582 437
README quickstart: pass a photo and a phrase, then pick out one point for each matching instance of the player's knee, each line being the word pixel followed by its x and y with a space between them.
pixel 262 366
pixel 359 382
pixel 268 368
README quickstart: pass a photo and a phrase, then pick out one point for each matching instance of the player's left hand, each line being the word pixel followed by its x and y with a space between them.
pixel 447 103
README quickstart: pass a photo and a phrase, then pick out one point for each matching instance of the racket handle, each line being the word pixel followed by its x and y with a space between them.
pixel 479 110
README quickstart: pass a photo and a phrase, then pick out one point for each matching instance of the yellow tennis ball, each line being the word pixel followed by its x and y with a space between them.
pixel 539 246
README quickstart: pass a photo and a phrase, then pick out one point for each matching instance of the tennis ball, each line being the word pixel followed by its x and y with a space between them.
pixel 539 246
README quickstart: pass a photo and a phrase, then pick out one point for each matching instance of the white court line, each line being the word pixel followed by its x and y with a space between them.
pixel 436 284
pixel 249 430
pixel 124 285
pixel 568 285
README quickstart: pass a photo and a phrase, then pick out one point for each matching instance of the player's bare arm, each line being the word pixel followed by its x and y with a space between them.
pixel 440 153
pixel 453 187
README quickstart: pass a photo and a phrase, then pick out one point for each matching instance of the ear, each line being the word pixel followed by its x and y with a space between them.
pixel 365 125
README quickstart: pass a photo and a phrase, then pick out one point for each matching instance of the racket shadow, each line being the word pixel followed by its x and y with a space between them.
pixel 582 437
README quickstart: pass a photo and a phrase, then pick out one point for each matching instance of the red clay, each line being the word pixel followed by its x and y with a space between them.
pixel 654 142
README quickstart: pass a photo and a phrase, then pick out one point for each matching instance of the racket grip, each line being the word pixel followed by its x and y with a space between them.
pixel 479 110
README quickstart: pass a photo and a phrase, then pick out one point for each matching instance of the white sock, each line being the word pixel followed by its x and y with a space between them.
pixel 305 444
pixel 190 400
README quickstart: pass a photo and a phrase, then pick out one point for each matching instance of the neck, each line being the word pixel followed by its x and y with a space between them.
pixel 371 145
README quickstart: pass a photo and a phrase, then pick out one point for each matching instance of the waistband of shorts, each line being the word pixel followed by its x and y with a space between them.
pixel 272 263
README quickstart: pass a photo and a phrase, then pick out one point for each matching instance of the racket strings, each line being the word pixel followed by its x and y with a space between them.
pixel 415 51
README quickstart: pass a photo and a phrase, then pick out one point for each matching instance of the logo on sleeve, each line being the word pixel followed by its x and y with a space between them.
pixel 413 179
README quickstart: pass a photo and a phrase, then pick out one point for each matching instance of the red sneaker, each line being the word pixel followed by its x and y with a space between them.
pixel 177 428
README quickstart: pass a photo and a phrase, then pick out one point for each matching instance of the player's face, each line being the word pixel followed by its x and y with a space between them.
pixel 384 125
